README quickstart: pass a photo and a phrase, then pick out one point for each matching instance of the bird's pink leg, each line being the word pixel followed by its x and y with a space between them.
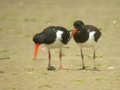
pixel 60 58
pixel 49 62
pixel 49 58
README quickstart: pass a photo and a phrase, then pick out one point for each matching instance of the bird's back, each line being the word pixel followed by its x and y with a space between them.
pixel 53 36
pixel 49 34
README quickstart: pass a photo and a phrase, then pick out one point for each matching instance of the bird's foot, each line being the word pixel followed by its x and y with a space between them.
pixel 95 69
pixel 51 68
pixel 83 68
pixel 62 68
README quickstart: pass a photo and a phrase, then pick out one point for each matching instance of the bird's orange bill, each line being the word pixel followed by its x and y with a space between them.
pixel 74 31
pixel 36 51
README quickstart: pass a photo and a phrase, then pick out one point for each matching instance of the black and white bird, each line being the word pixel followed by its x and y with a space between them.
pixel 52 37
pixel 86 36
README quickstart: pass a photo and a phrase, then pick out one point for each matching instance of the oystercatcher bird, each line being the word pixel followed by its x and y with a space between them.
pixel 52 37
pixel 86 36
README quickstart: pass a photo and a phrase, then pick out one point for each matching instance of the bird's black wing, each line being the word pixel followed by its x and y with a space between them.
pixel 65 35
pixel 91 28
pixel 49 35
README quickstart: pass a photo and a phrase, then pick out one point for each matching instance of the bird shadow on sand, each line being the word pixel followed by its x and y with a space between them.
pixel 39 59
pixel 79 69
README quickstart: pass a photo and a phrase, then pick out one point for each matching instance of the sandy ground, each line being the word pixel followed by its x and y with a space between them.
pixel 21 19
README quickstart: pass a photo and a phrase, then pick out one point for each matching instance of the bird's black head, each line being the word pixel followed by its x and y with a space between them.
pixel 79 25
pixel 36 38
